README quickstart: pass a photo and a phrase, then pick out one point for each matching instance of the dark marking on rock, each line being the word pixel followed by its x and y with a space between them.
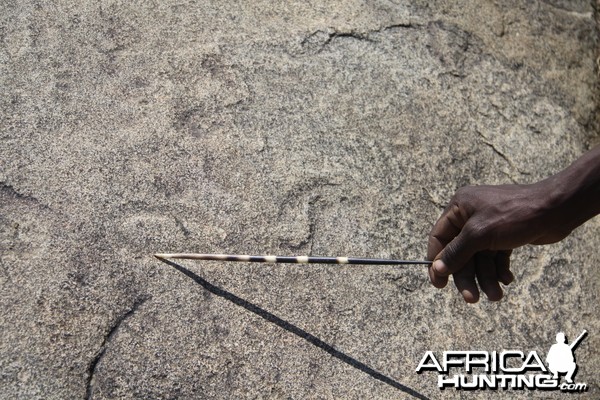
pixel 89 391
pixel 316 41
pixel 9 191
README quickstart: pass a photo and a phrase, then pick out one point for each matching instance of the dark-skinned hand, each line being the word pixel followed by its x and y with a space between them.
pixel 475 235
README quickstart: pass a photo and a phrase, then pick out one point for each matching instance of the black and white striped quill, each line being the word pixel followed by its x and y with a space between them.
pixel 290 259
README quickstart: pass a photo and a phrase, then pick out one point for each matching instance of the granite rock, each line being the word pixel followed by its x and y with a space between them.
pixel 302 127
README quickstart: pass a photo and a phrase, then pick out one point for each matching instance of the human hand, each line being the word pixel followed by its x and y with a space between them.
pixel 475 235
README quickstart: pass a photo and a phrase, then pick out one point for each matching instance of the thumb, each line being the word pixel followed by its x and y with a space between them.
pixel 456 254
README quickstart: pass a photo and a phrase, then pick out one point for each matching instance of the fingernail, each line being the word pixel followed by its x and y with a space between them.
pixel 440 267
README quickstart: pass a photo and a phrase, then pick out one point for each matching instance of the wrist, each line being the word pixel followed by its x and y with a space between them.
pixel 572 196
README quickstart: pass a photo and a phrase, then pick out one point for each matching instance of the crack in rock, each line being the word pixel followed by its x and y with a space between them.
pixel 316 41
pixel 107 339
pixel 495 149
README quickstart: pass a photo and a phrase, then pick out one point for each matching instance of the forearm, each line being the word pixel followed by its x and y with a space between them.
pixel 574 193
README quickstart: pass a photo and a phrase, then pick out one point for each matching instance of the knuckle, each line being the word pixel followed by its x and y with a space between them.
pixel 461 191
pixel 464 193
pixel 464 200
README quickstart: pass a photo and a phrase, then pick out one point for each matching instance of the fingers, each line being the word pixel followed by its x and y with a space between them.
pixel 503 267
pixel 461 242
pixel 447 227
pixel 486 271
pixel 464 280
pixel 437 280
pixel 456 254
pixel 447 238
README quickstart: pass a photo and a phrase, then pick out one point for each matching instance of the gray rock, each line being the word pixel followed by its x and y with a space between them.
pixel 337 128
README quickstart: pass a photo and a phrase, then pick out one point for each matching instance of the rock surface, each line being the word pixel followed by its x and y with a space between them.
pixel 303 127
